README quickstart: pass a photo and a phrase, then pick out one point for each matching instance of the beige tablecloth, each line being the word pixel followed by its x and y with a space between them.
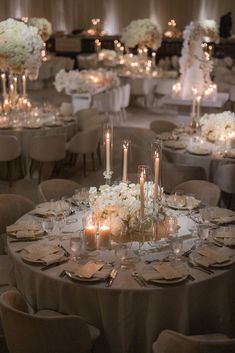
pixel 131 317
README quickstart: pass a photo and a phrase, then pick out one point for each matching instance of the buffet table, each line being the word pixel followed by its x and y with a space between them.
pixel 130 316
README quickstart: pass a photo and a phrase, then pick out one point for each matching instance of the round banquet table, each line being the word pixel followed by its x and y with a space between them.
pixel 129 316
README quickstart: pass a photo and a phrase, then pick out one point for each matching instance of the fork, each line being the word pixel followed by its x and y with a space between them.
pixel 139 279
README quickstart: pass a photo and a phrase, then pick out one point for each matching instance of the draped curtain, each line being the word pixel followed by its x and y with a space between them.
pixel 67 15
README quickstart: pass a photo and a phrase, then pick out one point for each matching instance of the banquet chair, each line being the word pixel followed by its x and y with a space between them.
pixel 125 98
pixel 30 333
pixel 56 189
pixel 162 88
pixel 141 88
pixel 174 342
pixel 10 153
pixel 174 174
pixel 224 178
pixel 159 126
pixel 45 153
pixel 86 142
pixel 109 103
pixel 209 193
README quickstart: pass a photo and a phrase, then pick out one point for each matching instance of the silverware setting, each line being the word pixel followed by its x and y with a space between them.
pixel 66 253
pixel 188 252
pixel 111 277
pixel 139 279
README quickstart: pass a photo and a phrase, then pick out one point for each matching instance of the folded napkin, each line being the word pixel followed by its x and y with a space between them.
pixel 46 254
pixel 51 208
pixel 211 256
pixel 164 270
pixel 89 270
pixel 225 233
pixel 177 145
pixel 24 226
pixel 217 215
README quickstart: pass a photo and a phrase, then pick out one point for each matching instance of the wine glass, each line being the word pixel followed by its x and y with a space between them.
pixel 121 251
pixel 203 233
pixel 76 245
pixel 48 226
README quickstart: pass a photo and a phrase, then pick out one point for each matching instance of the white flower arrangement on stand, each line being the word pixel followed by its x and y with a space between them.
pixel 85 81
pixel 20 48
pixel 217 126
pixel 195 66
pixel 43 25
pixel 143 33
pixel 121 205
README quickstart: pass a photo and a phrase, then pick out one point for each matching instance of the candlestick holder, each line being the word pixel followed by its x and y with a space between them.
pixel 108 176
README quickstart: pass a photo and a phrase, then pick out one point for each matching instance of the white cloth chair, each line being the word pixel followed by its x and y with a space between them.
pixel 174 174
pixel 125 98
pixel 141 88
pixel 56 188
pixel 109 103
pixel 173 342
pixel 86 143
pixel 162 88
pixel 224 178
pixel 159 126
pixel 209 193
pixel 29 333
pixel 10 152
pixel 46 151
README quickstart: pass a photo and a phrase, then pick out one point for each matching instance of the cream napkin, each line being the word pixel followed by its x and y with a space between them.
pixel 211 256
pixel 218 215
pixel 90 269
pixel 164 270
pixel 24 229
pixel 46 254
pixel 225 233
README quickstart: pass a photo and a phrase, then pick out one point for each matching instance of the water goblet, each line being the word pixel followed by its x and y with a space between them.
pixel 76 245
pixel 176 246
pixel 121 251
pixel 179 198
pixel 48 226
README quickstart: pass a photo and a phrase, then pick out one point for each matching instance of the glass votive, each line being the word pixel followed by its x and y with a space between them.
pixel 89 233
pixel 104 236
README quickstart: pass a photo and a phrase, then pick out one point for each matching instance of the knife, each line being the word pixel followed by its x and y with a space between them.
pixel 54 264
pixel 111 277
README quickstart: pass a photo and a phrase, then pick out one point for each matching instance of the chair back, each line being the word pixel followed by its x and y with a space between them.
pixel 174 342
pixel 164 86
pixel 26 333
pixel 160 126
pixel 56 188
pixel 116 95
pixel 48 148
pixel 140 86
pixel 103 102
pixel 174 174
pixel 85 141
pixel 12 207
pixel 9 148
pixel 66 109
pixel 208 193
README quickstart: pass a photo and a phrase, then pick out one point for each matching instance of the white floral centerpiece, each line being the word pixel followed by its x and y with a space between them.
pixel 143 33
pixel 43 25
pixel 217 126
pixel 20 48
pixel 85 81
pixel 195 65
pixel 121 204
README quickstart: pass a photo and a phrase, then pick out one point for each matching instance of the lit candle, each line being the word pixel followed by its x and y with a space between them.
pixel 15 86
pixel 97 45
pixel 142 195
pixel 23 85
pixel 153 59
pixel 104 237
pixel 90 237
pixel 4 91
pixel 198 100
pixel 156 172
pixel 108 144
pixel 125 161
pixel 194 90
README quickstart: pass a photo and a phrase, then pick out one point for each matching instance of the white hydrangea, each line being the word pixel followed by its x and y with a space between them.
pixel 120 203
pixel 43 25
pixel 20 48
pixel 85 81
pixel 213 126
pixel 143 33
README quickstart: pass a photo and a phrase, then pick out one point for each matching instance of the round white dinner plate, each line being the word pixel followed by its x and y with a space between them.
pixel 82 279
pixel 172 281
pixel 224 264
pixel 41 262
pixel 199 151
pixel 221 241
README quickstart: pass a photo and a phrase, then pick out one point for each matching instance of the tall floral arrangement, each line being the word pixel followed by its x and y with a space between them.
pixel 195 67
pixel 43 25
pixel 85 81
pixel 143 33
pixel 20 48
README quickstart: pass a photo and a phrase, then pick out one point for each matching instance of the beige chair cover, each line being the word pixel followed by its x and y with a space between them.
pixel 174 174
pixel 9 148
pixel 160 126
pixel 85 142
pixel 225 178
pixel 174 342
pixel 56 188
pixel 27 333
pixel 48 148
pixel 208 193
